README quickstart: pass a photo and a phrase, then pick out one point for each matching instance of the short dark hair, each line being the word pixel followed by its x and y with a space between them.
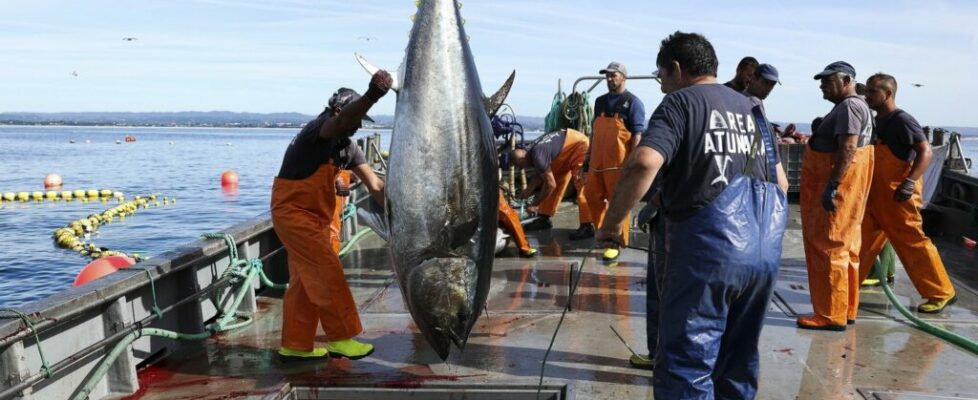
pixel 692 51
pixel 888 81
pixel 747 61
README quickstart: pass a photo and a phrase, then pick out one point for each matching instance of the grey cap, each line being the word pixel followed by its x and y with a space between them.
pixel 343 97
pixel 837 67
pixel 615 66
pixel 767 71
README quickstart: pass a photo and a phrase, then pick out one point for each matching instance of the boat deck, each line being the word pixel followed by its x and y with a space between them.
pixel 881 357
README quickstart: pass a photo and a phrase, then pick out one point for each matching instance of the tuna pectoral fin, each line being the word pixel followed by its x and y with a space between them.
pixel 495 101
pixel 371 69
pixel 372 215
pixel 461 234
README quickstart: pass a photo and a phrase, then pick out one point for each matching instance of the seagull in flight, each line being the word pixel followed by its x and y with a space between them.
pixel 918 84
pixel 129 38
pixel 367 38
pixel 74 73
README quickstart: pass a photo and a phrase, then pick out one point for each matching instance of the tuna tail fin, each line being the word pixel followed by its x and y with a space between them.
pixel 371 69
pixel 495 101
pixel 372 215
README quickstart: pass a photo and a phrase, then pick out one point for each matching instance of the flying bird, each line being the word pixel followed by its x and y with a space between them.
pixel 918 84
pixel 367 38
pixel 74 73
pixel 129 38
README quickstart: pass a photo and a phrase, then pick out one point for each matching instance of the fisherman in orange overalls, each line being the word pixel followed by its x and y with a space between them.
pixel 509 221
pixel 558 158
pixel 619 120
pixel 303 206
pixel 835 180
pixel 902 155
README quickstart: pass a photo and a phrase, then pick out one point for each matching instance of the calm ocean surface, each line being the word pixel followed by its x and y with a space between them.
pixel 32 267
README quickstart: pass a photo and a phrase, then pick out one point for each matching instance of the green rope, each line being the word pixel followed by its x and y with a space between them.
pixel 349 211
pixel 152 288
pixel 551 121
pixel 37 338
pixel 577 113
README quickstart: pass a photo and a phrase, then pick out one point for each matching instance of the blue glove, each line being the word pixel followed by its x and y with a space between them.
pixel 828 196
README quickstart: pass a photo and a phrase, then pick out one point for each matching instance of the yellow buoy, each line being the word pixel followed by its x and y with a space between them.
pixel 9 196
pixel 23 196
pixel 37 196
pixel 52 195
pixel 66 195
pixel 92 193
pixel 105 193
pixel 80 193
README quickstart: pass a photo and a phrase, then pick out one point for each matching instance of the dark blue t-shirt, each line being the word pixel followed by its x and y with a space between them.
pixel 900 132
pixel 706 134
pixel 308 151
pixel 546 149
pixel 632 112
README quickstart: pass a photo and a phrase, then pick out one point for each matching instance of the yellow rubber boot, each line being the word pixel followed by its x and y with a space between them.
pixel 287 354
pixel 641 362
pixel 349 348
pixel 610 254
pixel 936 306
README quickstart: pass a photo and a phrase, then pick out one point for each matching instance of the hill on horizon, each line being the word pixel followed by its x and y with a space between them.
pixel 192 118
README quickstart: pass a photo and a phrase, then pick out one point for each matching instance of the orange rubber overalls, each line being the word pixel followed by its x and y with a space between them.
pixel 318 293
pixel 610 147
pixel 337 223
pixel 901 223
pixel 510 221
pixel 832 240
pixel 566 167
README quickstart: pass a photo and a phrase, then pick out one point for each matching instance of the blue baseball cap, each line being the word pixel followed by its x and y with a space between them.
pixel 767 71
pixel 837 67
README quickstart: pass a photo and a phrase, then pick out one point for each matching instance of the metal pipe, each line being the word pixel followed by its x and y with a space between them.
pixel 601 78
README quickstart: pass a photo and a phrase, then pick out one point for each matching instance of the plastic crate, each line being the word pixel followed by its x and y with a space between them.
pixel 791 157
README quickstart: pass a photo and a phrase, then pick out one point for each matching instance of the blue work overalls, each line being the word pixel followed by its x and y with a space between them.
pixel 721 266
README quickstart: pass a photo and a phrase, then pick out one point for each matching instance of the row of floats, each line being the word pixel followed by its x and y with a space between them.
pixel 58 195
pixel 76 235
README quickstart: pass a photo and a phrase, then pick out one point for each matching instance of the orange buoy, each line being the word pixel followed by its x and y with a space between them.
pixel 52 181
pixel 229 178
pixel 102 267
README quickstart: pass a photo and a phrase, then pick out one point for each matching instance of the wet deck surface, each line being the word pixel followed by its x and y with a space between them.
pixel 881 357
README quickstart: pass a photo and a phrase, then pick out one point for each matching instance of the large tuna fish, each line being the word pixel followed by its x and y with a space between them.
pixel 442 187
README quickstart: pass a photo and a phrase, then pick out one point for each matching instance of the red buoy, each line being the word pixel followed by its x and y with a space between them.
pixel 52 181
pixel 102 267
pixel 229 178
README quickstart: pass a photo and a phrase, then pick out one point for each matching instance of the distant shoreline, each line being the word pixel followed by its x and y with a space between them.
pixel 289 127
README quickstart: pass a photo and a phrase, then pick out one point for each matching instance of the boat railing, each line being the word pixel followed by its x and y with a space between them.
pixel 74 329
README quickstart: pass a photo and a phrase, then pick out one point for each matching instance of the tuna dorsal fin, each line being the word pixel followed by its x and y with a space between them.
pixel 371 69
pixel 495 101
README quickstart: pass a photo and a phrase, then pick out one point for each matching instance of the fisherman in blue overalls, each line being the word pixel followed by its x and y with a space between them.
pixel 725 217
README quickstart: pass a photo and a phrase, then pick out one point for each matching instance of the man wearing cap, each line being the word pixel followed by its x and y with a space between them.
pixel 619 119
pixel 893 212
pixel 835 181
pixel 557 157
pixel 744 74
pixel 303 206
pixel 765 77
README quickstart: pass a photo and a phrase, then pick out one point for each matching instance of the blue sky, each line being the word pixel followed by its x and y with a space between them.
pixel 288 56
